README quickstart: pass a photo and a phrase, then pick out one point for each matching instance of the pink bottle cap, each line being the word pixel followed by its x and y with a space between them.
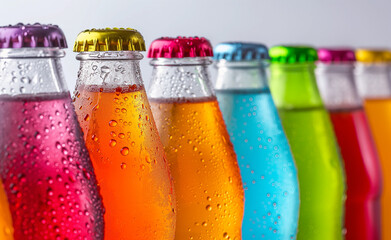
pixel 335 55
pixel 180 47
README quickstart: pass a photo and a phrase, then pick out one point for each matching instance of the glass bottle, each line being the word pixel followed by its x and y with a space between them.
pixel 363 173
pixel 311 136
pixel 374 85
pixel 44 165
pixel 122 137
pixel 202 159
pixel 266 163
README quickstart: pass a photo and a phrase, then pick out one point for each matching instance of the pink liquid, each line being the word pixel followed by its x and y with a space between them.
pixel 363 176
pixel 46 170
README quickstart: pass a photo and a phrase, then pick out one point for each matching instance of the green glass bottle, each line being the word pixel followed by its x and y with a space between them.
pixel 310 134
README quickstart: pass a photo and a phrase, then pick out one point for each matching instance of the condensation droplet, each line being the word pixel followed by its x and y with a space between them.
pixel 147 159
pixel 113 123
pixel 230 179
pixel 123 165
pixel 125 151
pixel 94 137
pixel 112 143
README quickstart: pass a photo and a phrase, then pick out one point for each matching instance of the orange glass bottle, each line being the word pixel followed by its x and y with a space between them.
pixel 201 157
pixel 6 229
pixel 374 85
pixel 122 137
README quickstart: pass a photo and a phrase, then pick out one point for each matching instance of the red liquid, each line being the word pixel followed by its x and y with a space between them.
pixel 46 170
pixel 363 174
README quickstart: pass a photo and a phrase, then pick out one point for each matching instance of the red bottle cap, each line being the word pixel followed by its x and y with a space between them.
pixel 180 47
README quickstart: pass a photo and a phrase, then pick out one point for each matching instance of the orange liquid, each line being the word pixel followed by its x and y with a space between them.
pixel 129 162
pixel 379 115
pixel 205 171
pixel 6 229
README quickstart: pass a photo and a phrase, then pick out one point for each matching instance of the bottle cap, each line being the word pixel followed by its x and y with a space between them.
pixel 373 55
pixel 292 54
pixel 109 39
pixel 240 51
pixel 334 55
pixel 32 36
pixel 180 47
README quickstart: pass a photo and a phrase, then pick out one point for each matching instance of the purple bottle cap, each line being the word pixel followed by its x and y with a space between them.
pixel 334 55
pixel 32 36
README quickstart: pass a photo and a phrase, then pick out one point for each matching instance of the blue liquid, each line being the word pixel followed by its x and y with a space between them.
pixel 266 163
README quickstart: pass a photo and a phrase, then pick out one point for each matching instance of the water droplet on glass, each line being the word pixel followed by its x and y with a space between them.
pixel 112 143
pixel 123 165
pixel 25 80
pixel 125 151
pixel 113 123
pixel 147 159
pixel 94 138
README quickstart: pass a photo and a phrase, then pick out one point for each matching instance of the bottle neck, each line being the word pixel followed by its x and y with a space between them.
pixel 373 80
pixel 337 87
pixel 294 86
pixel 246 75
pixel 180 78
pixel 27 71
pixel 109 69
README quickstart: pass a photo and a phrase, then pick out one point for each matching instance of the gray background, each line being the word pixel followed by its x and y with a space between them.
pixel 356 23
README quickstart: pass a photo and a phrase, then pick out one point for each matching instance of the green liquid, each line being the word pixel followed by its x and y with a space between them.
pixel 320 171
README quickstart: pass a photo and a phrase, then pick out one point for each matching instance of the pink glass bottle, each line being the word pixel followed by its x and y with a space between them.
pixel 44 165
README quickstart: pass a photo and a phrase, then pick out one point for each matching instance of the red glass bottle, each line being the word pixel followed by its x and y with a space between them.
pixel 363 173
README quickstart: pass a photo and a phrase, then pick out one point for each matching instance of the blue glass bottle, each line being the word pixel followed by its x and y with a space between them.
pixel 266 163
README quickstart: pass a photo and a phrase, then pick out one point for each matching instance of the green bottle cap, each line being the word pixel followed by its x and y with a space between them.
pixel 292 54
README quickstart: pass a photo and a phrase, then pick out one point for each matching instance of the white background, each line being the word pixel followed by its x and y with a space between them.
pixel 356 23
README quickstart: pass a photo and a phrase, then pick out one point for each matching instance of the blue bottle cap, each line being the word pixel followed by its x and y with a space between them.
pixel 240 51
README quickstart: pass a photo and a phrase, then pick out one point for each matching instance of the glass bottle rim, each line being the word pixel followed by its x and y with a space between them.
pixel 308 66
pixel 242 64
pixel 188 61
pixel 110 55
pixel 41 52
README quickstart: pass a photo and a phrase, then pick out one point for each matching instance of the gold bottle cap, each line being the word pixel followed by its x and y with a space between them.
pixel 109 39
pixel 373 55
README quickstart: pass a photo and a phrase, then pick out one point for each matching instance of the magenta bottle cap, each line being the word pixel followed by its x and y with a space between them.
pixel 32 36
pixel 330 55
pixel 180 47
